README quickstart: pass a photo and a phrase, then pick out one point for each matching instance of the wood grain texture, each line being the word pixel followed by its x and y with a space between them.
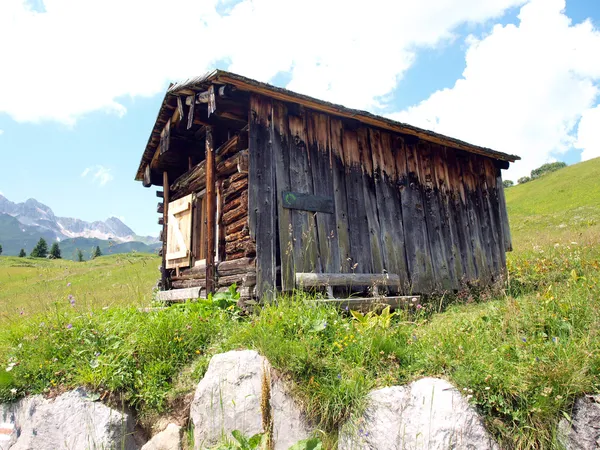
pixel 262 201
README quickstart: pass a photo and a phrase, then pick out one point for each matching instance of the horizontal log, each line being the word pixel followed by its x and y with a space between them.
pixel 161 220
pixel 233 178
pixel 235 189
pixel 245 245
pixel 190 276
pixel 180 294
pixel 237 213
pixel 236 236
pixel 194 282
pixel 235 256
pixel 190 181
pixel 231 204
pixel 308 279
pixel 237 226
pixel 236 266
pixel 199 268
pixel 160 208
pixel 160 194
pixel 232 164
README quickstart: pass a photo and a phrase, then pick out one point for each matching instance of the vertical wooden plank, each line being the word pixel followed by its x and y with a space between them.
pixel 358 225
pixel 339 194
pixel 389 205
pixel 211 211
pixel 418 252
pixel 491 206
pixel 320 163
pixel 503 212
pixel 262 195
pixel 448 221
pixel 433 217
pixel 457 204
pixel 475 225
pixel 281 155
pixel 304 232
pixel 166 192
pixel 371 206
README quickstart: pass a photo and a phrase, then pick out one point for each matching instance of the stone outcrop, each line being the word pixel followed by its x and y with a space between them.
pixel 583 431
pixel 70 421
pixel 427 414
pixel 240 392
pixel 168 439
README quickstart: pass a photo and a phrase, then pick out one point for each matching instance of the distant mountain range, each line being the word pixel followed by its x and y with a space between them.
pixel 22 225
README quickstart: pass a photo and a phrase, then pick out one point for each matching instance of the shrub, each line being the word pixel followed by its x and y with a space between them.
pixel 547 168
pixel 508 183
pixel 523 180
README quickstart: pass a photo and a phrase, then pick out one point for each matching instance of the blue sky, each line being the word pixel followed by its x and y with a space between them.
pixel 513 75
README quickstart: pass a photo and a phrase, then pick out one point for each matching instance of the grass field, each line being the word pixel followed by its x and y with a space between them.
pixel 524 355
pixel 30 286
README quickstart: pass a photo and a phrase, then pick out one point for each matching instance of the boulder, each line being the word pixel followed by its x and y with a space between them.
pixel 583 431
pixel 70 421
pixel 427 414
pixel 168 439
pixel 233 395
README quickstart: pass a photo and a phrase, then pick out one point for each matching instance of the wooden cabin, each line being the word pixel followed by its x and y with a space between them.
pixel 273 191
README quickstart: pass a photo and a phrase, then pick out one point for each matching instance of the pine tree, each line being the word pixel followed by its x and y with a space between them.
pixel 0 249
pixel 79 255
pixel 55 251
pixel 40 250
pixel 97 252
pixel 22 253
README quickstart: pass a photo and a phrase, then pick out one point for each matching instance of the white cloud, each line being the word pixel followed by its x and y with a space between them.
pixel 588 134
pixel 100 174
pixel 1 132
pixel 524 89
pixel 89 54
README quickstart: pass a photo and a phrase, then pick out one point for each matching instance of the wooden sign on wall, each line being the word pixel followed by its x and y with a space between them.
pixel 307 202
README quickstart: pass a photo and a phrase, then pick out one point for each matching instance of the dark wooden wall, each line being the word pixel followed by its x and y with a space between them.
pixel 433 215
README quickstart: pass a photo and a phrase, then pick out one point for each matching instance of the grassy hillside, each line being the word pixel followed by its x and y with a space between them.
pixel 30 285
pixel 560 206
pixel 523 355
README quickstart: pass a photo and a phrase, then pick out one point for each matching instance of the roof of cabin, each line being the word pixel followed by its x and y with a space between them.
pixel 242 83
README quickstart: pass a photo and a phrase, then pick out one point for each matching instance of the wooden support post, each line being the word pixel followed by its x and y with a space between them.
pixel 210 211
pixel 166 189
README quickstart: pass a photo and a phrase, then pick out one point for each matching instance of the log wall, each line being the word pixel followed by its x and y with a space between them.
pixel 432 215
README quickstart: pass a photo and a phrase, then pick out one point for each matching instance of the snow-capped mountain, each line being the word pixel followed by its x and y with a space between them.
pixel 33 214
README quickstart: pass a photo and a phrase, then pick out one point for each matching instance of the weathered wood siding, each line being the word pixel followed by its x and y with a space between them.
pixel 432 215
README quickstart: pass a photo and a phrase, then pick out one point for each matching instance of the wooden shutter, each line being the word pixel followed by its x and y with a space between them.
pixel 179 230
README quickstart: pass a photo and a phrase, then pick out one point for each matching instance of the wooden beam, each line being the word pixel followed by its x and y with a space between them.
pixel 211 202
pixel 147 182
pixel 160 208
pixel 180 294
pixel 309 279
pixel 160 194
pixel 165 224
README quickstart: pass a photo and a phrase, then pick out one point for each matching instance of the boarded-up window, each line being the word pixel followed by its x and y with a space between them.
pixel 179 227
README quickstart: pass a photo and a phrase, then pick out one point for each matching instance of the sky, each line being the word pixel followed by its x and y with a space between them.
pixel 81 81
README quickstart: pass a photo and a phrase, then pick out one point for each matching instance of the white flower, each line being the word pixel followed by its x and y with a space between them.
pixel 469 397
pixel 10 366
pixel 487 388
pixel 13 391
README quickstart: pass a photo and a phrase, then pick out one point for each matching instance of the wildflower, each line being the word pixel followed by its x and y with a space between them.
pixel 524 340
pixel 414 300
pixel 69 326
pixel 555 339
pixel 487 388
pixel 197 352
pixel 559 397
pixel 339 376
pixel 21 312
pixel 465 389
pixel 69 284
pixel 469 397
pixel 13 391
pixel 10 366
pixel 97 354
pixel 419 306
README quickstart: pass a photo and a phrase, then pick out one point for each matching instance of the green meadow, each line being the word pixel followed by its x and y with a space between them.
pixel 523 354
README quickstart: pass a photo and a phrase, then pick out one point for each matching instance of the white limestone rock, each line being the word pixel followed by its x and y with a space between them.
pixel 70 421
pixel 229 397
pixel 428 414
pixel 583 431
pixel 168 439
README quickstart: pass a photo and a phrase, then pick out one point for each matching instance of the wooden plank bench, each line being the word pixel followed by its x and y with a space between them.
pixel 374 280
